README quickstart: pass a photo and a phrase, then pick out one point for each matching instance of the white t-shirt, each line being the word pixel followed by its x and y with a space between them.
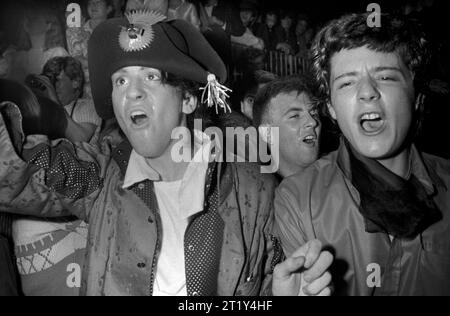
pixel 177 201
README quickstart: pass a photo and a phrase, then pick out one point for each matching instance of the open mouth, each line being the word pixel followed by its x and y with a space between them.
pixel 310 140
pixel 139 118
pixel 372 123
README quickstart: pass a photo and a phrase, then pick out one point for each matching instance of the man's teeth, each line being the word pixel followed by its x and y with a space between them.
pixel 134 114
pixel 138 116
pixel 309 139
pixel 371 117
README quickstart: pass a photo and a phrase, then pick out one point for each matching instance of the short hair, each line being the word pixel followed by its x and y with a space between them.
pixel 300 84
pixel 250 82
pixel 396 34
pixel 71 66
pixel 202 111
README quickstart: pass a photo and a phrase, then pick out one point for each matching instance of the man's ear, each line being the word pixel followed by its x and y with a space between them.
pixel 331 110
pixel 190 103
pixel 265 132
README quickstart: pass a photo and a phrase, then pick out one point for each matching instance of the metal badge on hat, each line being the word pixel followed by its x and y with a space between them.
pixel 139 34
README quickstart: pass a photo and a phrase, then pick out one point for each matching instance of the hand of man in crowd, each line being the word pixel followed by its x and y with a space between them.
pixel 41 85
pixel 305 273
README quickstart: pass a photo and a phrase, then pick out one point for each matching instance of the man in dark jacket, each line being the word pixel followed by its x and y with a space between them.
pixel 378 202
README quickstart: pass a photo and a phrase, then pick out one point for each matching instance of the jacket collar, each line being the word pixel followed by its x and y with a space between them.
pixel 222 176
pixel 427 177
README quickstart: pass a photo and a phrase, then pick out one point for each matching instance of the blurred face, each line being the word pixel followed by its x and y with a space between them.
pixel 301 27
pixel 98 9
pixel 146 109
pixel 372 99
pixel 246 17
pixel 37 25
pixel 286 22
pixel 66 89
pixel 299 130
pixel 271 20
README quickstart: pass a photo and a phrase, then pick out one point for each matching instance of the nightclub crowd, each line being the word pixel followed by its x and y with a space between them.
pixel 349 99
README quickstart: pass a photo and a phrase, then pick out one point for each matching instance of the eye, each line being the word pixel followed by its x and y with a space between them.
pixel 153 77
pixel 345 84
pixel 387 78
pixel 120 81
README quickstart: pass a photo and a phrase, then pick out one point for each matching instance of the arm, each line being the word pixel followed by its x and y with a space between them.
pixel 48 179
pixel 305 271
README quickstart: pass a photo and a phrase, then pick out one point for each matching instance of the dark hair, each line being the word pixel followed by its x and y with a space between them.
pixel 397 34
pixel 34 109
pixel 206 114
pixel 272 12
pixel 299 84
pixel 250 82
pixel 71 66
pixel 109 3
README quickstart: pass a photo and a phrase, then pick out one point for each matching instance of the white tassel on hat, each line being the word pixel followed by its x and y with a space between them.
pixel 216 94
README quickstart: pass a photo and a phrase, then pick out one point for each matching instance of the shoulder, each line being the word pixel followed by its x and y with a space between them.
pixel 250 175
pixel 253 190
pixel 437 162
pixel 438 167
pixel 84 112
pixel 320 172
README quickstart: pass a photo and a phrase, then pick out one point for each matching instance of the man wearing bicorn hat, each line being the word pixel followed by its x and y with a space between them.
pixel 159 225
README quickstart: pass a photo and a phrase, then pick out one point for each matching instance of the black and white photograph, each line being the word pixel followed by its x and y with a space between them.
pixel 224 149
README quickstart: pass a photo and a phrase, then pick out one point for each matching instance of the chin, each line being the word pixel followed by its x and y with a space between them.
pixel 374 150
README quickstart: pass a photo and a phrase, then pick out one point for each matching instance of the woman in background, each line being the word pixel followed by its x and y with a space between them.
pixel 78 37
pixel 40 39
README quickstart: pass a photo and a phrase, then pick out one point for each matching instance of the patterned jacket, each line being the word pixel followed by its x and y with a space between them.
pixel 53 179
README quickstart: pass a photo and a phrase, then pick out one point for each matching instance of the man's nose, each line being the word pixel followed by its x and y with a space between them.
pixel 368 90
pixel 136 90
pixel 311 121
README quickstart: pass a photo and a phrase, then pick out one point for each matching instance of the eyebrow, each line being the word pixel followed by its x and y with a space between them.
pixel 300 109
pixel 124 71
pixel 377 69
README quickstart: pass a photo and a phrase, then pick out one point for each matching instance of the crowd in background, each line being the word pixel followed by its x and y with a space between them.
pixel 39 49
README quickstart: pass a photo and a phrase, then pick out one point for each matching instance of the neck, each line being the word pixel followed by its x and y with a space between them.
pixel 398 164
pixel 95 22
pixel 167 168
pixel 286 170
pixel 37 40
